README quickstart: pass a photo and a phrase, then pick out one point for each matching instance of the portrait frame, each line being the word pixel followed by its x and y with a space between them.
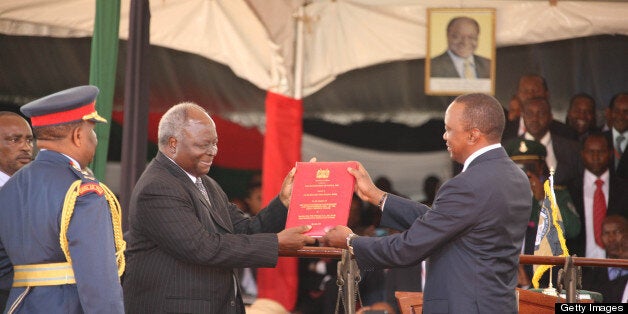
pixel 442 76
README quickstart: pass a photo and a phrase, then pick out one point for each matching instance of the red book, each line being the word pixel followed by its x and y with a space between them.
pixel 321 196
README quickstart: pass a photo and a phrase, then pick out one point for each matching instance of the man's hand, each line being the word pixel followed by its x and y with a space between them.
pixel 286 186
pixel 337 237
pixel 293 238
pixel 364 186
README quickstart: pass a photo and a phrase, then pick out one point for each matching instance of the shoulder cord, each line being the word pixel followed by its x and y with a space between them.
pixel 116 219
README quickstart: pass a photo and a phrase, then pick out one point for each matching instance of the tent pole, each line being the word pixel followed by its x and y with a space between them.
pixel 298 56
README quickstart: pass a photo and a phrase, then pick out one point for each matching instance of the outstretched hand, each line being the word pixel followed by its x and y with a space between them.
pixel 286 186
pixel 337 237
pixel 293 238
pixel 364 186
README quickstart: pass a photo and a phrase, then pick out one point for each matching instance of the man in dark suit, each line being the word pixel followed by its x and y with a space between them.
pixel 611 281
pixel 185 239
pixel 474 231
pixel 562 153
pixel 618 134
pixel 581 116
pixel 534 86
pixel 596 158
pixel 459 61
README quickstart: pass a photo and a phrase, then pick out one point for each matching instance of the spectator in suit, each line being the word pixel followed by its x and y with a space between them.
pixel 581 115
pixel 459 61
pixel 562 153
pixel 474 230
pixel 618 134
pixel 185 239
pixel 16 150
pixel 16 144
pixel 611 281
pixel 596 153
pixel 533 86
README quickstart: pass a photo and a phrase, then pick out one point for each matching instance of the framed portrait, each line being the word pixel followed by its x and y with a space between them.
pixel 460 54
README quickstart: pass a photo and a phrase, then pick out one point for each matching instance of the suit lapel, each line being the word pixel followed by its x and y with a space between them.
pixel 216 213
pixel 207 209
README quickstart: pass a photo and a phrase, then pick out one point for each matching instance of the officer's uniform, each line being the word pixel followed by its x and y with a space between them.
pixel 522 151
pixel 51 205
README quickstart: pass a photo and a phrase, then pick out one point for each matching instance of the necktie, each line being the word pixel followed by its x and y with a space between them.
pixel 599 211
pixel 618 151
pixel 468 70
pixel 201 187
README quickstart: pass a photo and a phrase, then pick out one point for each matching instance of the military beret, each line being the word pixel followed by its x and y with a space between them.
pixel 520 149
pixel 70 105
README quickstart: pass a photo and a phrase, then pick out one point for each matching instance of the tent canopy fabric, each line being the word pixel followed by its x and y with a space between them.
pixel 254 40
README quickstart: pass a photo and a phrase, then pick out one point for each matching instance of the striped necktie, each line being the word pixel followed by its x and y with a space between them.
pixel 201 187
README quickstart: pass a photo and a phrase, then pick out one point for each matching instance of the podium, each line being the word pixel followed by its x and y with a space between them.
pixel 530 302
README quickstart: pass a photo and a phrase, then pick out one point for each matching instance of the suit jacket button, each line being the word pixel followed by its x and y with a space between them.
pixel 232 303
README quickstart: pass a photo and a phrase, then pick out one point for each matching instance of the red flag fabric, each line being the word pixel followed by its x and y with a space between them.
pixel 282 149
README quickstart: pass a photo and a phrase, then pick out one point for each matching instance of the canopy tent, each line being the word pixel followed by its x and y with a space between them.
pixel 363 64
pixel 362 58
pixel 255 40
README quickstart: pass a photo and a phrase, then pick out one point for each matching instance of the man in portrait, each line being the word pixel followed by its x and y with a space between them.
pixel 460 60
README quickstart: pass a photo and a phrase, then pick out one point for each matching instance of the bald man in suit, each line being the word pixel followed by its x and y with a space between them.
pixel 185 239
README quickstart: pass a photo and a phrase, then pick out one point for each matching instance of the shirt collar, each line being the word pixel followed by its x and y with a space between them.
pixel 589 177
pixel 3 178
pixel 193 178
pixel 478 153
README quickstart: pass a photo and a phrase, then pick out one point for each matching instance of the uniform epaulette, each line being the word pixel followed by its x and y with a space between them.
pixel 89 187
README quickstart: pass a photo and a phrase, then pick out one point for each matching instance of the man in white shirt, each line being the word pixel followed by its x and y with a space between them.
pixel 562 153
pixel 596 154
pixel 16 144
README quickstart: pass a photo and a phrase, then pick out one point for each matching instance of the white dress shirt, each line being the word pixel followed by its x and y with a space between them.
pixel 478 153
pixel 588 189
pixel 3 178
pixel 459 64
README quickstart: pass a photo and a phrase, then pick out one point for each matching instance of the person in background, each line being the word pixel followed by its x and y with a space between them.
pixel 16 144
pixel 460 60
pixel 611 282
pixel 186 240
pixel 514 109
pixel 16 151
pixel 473 232
pixel 581 115
pixel 534 86
pixel 431 184
pixel 597 193
pixel 618 134
pixel 60 227
pixel 562 152
pixel 530 157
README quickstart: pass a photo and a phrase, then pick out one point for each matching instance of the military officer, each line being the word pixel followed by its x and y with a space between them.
pixel 59 226
pixel 530 156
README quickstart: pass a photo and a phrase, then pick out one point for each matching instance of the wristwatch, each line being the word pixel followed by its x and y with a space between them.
pixel 350 238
